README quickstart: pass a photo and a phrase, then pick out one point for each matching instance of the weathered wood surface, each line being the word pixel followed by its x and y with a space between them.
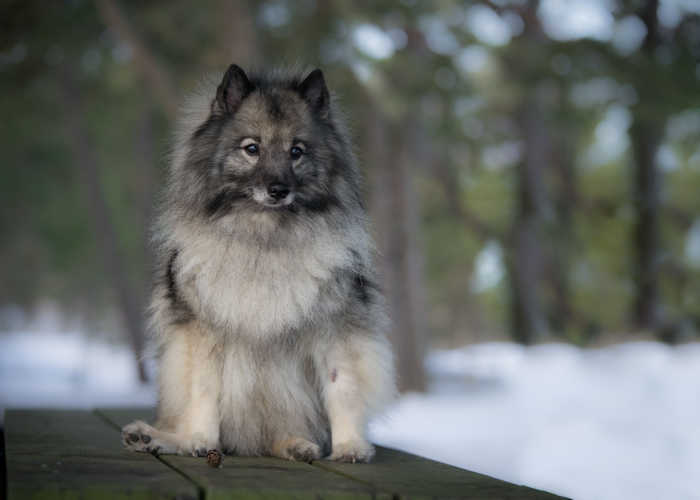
pixel 78 454
pixel 255 477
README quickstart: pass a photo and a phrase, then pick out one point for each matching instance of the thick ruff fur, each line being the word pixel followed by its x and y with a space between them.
pixel 269 324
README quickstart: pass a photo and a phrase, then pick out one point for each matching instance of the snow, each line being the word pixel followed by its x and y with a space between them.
pixel 611 423
pixel 53 370
pixel 619 422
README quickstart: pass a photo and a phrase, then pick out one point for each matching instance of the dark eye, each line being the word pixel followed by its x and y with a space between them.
pixel 296 152
pixel 252 149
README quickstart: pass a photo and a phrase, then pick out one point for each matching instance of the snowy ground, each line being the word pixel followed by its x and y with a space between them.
pixel 615 423
pixel 67 371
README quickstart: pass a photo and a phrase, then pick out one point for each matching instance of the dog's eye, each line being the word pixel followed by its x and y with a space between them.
pixel 252 149
pixel 296 152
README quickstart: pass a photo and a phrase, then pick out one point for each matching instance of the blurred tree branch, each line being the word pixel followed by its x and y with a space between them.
pixel 154 73
pixel 450 185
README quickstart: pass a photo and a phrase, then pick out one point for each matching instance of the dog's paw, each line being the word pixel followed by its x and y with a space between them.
pixel 352 452
pixel 298 450
pixel 199 446
pixel 138 436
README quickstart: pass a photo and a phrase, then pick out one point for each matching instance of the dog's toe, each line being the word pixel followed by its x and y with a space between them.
pixel 352 452
pixel 136 436
pixel 299 450
pixel 304 452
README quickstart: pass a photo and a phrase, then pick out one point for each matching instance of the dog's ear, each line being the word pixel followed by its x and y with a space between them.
pixel 234 87
pixel 314 91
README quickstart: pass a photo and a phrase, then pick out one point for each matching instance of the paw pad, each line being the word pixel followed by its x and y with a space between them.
pixel 136 438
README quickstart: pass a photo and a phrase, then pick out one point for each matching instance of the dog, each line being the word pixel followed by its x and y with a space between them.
pixel 269 324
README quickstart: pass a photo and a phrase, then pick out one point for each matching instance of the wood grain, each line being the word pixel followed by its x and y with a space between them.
pixel 257 477
pixel 76 454
pixel 392 474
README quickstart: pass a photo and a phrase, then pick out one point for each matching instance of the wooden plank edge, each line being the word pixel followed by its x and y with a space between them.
pixel 201 490
pixel 398 493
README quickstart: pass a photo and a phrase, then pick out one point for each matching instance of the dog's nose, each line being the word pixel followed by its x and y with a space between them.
pixel 277 190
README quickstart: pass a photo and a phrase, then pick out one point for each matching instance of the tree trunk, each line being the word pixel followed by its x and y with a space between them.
pixel 85 161
pixel 525 267
pixel 646 135
pixel 395 213
pixel 645 144
pixel 525 260
pixel 559 255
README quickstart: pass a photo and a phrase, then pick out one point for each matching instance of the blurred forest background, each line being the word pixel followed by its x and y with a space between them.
pixel 533 168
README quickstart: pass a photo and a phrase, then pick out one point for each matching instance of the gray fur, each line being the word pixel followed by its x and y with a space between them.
pixel 269 323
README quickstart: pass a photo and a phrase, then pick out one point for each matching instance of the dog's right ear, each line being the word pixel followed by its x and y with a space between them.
pixel 234 87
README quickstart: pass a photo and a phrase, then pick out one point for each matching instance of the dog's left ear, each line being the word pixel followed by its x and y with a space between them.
pixel 314 91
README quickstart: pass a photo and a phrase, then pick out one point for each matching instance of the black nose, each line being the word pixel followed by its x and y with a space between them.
pixel 277 190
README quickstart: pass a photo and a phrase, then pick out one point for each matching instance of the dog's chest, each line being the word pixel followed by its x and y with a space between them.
pixel 267 395
pixel 257 292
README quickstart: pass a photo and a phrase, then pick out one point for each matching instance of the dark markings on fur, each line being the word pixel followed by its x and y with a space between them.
pixel 334 374
pixel 362 288
pixel 182 311
pixel 318 204
pixel 274 107
pixel 211 125
pixel 170 277
pixel 222 201
pixel 356 258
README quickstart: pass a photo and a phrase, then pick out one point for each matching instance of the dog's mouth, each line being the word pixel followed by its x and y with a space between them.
pixel 275 204
pixel 273 201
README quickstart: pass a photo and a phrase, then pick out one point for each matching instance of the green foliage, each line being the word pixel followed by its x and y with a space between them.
pixel 469 119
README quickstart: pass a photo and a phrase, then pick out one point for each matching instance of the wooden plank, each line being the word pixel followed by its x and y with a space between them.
pixel 409 476
pixel 392 474
pixel 264 477
pixel 76 454
pixel 257 477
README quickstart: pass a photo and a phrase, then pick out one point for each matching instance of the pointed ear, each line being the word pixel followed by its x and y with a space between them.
pixel 314 91
pixel 234 87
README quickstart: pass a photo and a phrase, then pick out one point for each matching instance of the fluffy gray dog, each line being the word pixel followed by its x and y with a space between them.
pixel 269 324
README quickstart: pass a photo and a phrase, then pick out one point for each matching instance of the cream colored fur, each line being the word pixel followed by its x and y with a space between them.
pixel 269 363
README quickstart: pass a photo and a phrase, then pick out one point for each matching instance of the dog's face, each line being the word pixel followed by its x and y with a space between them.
pixel 267 147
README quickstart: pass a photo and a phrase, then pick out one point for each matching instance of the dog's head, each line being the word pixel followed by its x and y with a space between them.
pixel 270 144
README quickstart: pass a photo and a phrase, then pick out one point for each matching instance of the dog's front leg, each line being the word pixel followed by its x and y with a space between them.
pixel 188 413
pixel 192 369
pixel 357 380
